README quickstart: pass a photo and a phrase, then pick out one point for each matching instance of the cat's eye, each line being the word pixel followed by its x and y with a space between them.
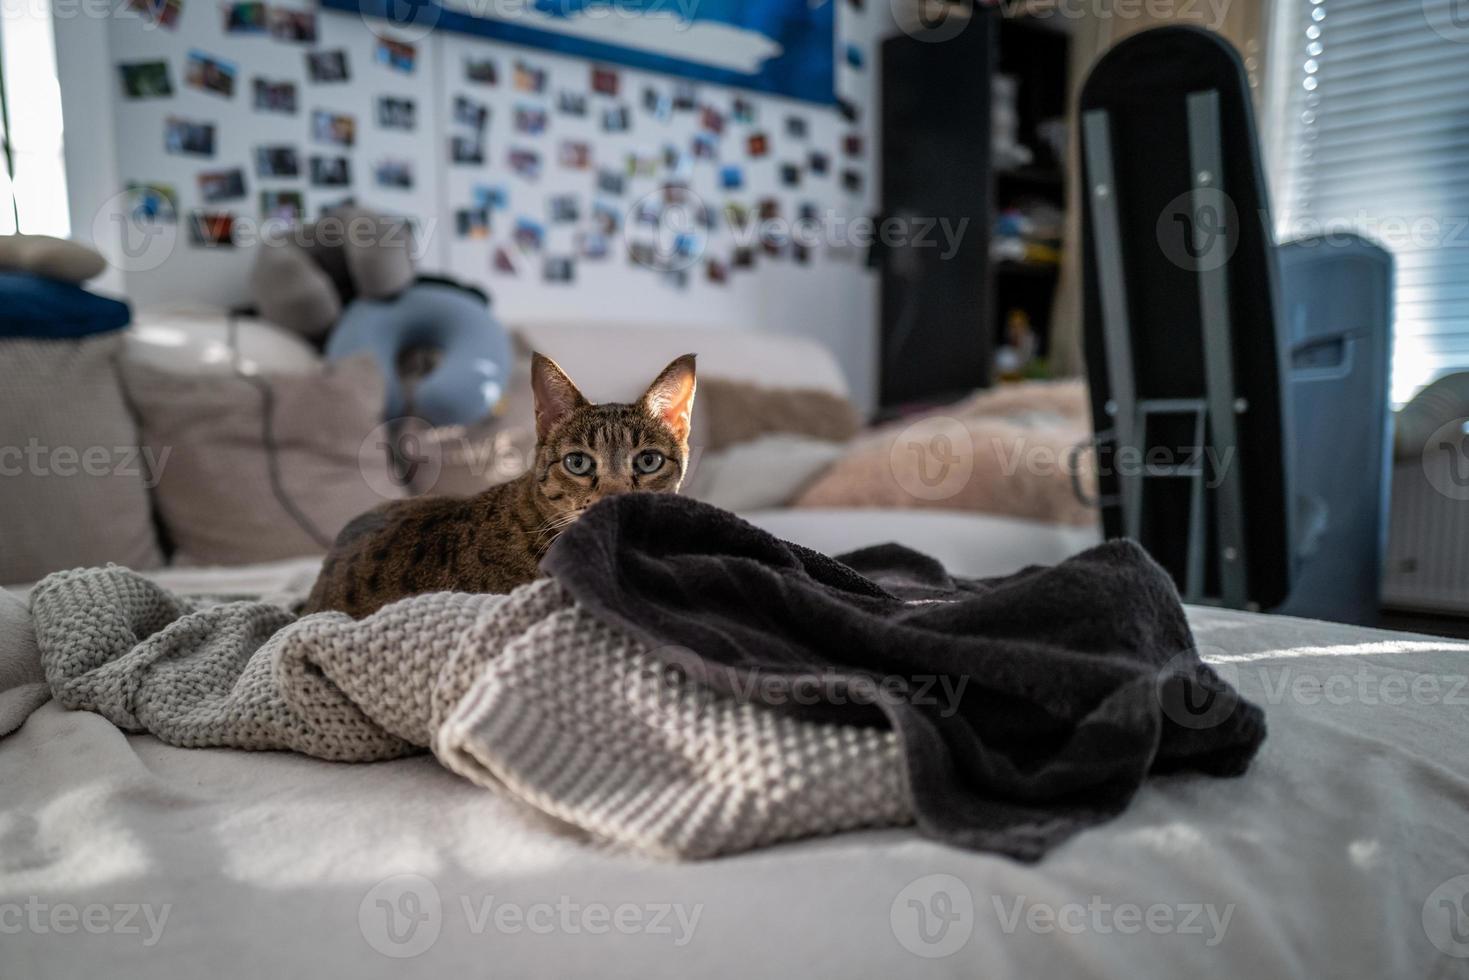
pixel 577 464
pixel 648 461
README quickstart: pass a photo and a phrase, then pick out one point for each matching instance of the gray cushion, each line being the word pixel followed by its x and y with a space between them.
pixel 71 477
pixel 217 499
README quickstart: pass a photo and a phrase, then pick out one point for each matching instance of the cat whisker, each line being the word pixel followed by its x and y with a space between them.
pixel 560 522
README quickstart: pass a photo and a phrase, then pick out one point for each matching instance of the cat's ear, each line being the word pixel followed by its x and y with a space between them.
pixel 554 393
pixel 671 396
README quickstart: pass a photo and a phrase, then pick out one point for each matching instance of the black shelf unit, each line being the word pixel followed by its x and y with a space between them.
pixel 943 318
pixel 1038 57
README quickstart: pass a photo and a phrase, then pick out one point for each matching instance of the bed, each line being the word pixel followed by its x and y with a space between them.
pixel 1344 851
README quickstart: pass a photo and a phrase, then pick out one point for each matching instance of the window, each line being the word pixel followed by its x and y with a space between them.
pixel 32 168
pixel 1369 131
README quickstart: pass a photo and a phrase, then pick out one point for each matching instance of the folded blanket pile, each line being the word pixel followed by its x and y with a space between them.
pixel 525 693
pixel 1028 707
pixel 689 686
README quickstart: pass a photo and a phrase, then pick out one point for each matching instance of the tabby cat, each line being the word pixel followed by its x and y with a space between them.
pixel 494 541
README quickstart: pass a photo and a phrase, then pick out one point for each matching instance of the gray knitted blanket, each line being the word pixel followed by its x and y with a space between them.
pixel 526 694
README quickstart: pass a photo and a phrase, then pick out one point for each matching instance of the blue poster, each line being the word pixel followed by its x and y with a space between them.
pixel 784 47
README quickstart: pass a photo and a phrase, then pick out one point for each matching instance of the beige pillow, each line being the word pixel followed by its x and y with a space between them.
pixel 55 258
pixel 72 482
pixel 761 474
pixel 218 500
pixel 1009 452
pixel 733 412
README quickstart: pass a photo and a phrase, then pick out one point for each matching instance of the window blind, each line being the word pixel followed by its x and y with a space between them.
pixel 1372 135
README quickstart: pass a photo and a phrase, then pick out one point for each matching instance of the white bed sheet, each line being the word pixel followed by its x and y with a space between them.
pixel 1334 856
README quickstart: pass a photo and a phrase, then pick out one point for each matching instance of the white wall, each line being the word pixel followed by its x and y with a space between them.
pixel 114 140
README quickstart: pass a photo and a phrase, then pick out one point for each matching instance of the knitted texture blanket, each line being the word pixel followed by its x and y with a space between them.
pixel 526 694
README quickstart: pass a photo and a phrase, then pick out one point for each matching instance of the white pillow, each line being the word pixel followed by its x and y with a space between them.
pixel 200 343
pixel 766 472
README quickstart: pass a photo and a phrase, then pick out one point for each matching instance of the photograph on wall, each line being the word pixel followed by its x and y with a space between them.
pixel 575 155
pixel 611 182
pixel 481 71
pixel 641 165
pixel 210 74
pixel 660 104
pixel 394 174
pixel 525 163
pixel 493 196
pixel 280 160
pixel 571 103
pixel 275 96
pixel 529 78
pixel 605 81
pixel 145 80
pixel 560 269
pixel 472 223
pixel 286 206
pixel 327 66
pixel 731 177
pixel 187 137
pixel 295 26
pixel 468 112
pixel 397 55
pixel 528 235
pixel 591 245
pixel 153 203
pixel 467 149
pixel 503 262
pixel 782 47
pixel 530 119
pixel 642 253
pixel 221 185
pixel 564 209
pixel 160 13
pixel 606 218
pixel 211 229
pixel 396 113
pixel 616 119
pixel 245 17
pixel 331 171
pixel 336 128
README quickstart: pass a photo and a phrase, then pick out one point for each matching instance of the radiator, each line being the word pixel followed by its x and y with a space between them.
pixel 1428 535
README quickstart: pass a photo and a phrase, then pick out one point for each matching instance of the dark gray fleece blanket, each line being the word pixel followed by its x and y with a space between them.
pixel 1029 707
